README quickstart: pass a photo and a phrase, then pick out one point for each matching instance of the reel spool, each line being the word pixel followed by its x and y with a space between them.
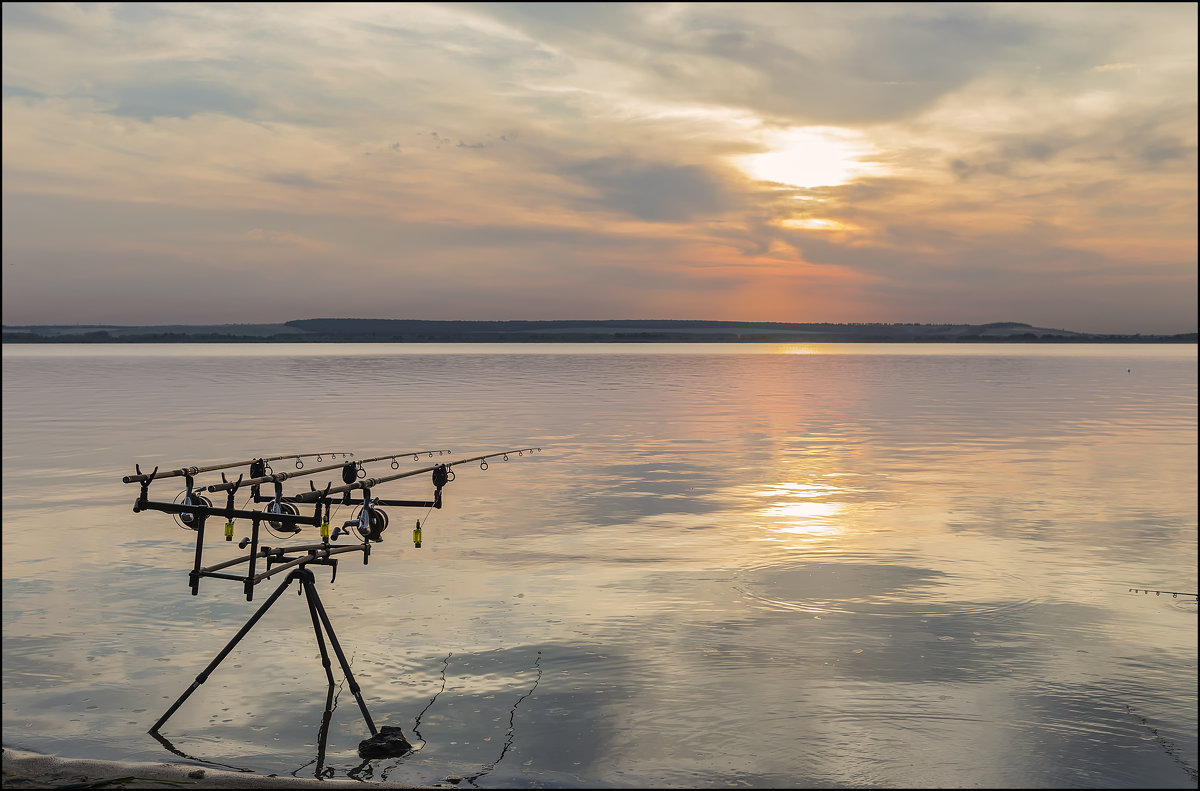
pixel 378 523
pixel 283 507
pixel 189 520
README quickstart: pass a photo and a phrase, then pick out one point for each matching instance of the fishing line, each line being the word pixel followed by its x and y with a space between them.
pixel 512 716
pixel 417 722
pixel 267 525
pixel 1167 746
pixel 418 535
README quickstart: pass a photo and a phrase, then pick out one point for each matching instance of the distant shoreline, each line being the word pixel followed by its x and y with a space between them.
pixel 1168 339
pixel 631 331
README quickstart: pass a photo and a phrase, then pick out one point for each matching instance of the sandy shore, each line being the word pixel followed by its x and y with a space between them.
pixel 22 769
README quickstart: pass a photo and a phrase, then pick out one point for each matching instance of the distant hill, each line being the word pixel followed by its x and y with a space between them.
pixel 564 331
pixel 110 332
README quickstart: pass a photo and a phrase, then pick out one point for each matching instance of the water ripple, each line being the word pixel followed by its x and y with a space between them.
pixel 868 584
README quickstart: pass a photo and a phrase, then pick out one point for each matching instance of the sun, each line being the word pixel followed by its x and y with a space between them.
pixel 808 157
pixel 816 224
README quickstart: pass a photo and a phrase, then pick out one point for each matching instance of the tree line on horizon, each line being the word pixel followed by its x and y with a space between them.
pixel 567 330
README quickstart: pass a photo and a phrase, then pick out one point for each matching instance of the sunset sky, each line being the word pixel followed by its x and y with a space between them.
pixel 944 163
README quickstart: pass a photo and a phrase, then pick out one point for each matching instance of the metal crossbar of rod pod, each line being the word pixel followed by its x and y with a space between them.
pixel 367 483
pixel 197 470
pixel 283 476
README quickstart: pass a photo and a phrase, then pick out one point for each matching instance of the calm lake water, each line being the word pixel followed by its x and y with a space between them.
pixel 730 565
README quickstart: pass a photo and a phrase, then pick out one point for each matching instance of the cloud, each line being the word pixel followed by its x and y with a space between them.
pixel 179 99
pixel 590 157
pixel 653 192
pixel 295 179
pixel 810 63
pixel 15 92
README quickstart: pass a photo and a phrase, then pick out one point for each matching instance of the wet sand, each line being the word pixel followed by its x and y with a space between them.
pixel 24 769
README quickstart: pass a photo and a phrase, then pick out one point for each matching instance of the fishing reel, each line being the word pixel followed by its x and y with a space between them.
pixel 187 519
pixel 369 528
pixel 282 507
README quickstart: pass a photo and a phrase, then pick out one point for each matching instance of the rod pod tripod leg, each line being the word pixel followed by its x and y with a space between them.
pixel 320 619
pixel 316 609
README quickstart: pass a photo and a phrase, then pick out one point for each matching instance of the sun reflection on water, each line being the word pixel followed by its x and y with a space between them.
pixel 795 510
pixel 800 348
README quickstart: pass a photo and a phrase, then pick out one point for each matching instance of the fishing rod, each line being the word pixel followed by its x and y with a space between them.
pixel 371 520
pixel 1172 594
pixel 141 477
pixel 283 513
pixel 354 468
pixel 368 483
